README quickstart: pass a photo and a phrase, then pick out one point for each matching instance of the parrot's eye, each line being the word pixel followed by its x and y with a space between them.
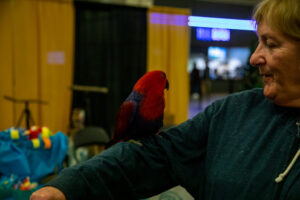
pixel 163 75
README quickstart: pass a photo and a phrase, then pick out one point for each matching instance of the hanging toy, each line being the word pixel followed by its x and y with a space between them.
pixel 33 132
pixel 47 143
pixel 46 133
pixel 36 143
pixel 14 134
pixel 27 185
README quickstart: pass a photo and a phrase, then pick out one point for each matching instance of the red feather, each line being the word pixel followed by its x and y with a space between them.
pixel 123 119
pixel 141 114
pixel 152 85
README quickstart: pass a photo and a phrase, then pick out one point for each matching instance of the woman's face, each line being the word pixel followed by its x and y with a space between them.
pixel 278 60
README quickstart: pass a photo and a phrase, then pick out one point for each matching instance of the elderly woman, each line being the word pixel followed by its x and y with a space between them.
pixel 242 147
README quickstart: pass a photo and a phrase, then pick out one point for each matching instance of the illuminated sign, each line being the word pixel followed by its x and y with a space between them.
pixel 223 23
pixel 215 34
pixel 204 22
pixel 219 53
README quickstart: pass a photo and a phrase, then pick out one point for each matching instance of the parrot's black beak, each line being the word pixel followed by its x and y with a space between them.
pixel 167 85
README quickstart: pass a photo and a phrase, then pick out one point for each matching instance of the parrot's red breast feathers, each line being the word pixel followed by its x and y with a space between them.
pixel 152 86
pixel 152 107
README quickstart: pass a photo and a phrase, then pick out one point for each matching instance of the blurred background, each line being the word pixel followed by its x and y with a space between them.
pixel 87 54
pixel 67 65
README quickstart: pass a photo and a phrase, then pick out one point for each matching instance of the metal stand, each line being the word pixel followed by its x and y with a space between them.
pixel 26 112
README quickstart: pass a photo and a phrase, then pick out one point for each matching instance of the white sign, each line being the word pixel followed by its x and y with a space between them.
pixel 56 57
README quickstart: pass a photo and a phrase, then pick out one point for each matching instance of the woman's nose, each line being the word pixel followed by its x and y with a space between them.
pixel 257 58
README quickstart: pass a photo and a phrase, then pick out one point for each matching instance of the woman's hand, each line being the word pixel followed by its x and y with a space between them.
pixel 48 193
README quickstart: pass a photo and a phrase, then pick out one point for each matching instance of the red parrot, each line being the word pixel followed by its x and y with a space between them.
pixel 141 114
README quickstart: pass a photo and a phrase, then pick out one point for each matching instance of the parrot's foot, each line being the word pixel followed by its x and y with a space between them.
pixel 135 142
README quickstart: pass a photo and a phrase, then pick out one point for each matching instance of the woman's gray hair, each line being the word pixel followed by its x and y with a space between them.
pixel 282 15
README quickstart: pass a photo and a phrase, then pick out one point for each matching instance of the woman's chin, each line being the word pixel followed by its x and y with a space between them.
pixel 279 98
pixel 269 92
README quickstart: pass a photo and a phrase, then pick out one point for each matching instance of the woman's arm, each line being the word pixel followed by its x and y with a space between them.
pixel 132 171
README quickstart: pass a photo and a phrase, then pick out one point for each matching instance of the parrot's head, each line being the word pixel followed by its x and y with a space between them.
pixel 153 81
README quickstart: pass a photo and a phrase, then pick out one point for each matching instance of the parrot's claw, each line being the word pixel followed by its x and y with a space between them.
pixel 135 142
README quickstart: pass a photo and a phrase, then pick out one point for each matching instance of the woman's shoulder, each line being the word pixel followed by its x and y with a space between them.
pixel 242 100
pixel 256 92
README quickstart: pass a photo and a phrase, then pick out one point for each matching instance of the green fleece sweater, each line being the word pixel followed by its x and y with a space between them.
pixel 233 150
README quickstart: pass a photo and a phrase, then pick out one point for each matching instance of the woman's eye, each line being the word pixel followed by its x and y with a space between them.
pixel 271 45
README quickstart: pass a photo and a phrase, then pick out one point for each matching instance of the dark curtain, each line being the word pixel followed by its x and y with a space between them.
pixel 110 51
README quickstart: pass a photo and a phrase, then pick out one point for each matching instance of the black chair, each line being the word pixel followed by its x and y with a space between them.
pixel 89 141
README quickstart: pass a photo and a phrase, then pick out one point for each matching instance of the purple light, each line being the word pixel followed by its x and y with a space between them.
pixel 163 18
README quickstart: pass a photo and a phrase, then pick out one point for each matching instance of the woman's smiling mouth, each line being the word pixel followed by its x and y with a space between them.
pixel 267 77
